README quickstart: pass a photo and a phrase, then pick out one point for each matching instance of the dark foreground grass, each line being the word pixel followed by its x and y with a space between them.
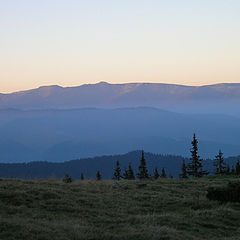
pixel 91 210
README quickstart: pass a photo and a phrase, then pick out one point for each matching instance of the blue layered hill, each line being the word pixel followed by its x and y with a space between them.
pixel 61 135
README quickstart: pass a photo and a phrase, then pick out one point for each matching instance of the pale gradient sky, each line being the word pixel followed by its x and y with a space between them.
pixel 69 42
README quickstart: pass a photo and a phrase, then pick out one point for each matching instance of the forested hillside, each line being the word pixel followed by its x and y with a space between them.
pixel 105 164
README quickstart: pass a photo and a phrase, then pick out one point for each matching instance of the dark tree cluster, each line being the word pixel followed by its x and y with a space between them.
pixel 142 174
pixel 221 168
pixel 193 169
pixel 128 173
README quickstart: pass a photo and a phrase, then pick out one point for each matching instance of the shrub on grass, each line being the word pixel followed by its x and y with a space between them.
pixel 67 179
pixel 230 193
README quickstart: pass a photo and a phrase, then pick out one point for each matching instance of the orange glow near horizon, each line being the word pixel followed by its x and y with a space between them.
pixel 70 43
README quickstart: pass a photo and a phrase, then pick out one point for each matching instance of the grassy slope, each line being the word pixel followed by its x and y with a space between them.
pixel 164 209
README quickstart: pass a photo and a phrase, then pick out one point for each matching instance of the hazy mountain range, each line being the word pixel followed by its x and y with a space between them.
pixel 58 124
pixel 219 98
pixel 58 135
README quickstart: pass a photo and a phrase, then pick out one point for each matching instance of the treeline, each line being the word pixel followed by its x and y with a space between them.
pixel 157 166
pixel 194 168
pixel 143 173
pixel 87 168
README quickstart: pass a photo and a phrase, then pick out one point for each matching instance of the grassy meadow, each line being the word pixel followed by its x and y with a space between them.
pixel 136 210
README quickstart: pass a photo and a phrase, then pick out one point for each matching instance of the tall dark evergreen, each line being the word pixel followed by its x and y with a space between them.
pixel 219 163
pixel 233 170
pixel 98 176
pixel 143 172
pixel 183 174
pixel 117 172
pixel 194 168
pixel 163 173
pixel 156 174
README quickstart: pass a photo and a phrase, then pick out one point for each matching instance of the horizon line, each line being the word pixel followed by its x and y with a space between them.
pixel 124 83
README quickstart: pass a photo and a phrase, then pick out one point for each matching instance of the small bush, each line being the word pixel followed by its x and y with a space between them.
pixel 67 179
pixel 230 193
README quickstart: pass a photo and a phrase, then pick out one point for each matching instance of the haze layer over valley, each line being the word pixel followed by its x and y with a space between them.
pixel 58 124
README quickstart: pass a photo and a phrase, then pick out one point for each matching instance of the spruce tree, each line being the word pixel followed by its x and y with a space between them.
pixel 130 172
pixel 143 172
pixel 195 165
pixel 117 172
pixel 183 174
pixel 233 170
pixel 163 173
pixel 156 174
pixel 98 176
pixel 219 163
pixel 81 177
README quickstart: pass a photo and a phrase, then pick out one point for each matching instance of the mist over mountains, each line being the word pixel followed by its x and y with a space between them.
pixel 59 124
pixel 59 135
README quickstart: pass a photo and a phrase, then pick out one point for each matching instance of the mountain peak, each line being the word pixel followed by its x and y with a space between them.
pixel 103 83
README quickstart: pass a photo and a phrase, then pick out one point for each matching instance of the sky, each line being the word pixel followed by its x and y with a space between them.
pixel 72 42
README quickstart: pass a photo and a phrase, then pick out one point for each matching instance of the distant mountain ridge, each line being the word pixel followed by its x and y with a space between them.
pixel 53 123
pixel 220 98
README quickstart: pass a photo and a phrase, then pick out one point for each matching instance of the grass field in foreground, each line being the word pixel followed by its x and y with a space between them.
pixel 162 209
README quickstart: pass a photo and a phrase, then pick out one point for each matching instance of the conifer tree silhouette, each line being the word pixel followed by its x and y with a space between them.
pixel 117 173
pixel 183 174
pixel 219 163
pixel 156 174
pixel 143 172
pixel 195 165
pixel 128 173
